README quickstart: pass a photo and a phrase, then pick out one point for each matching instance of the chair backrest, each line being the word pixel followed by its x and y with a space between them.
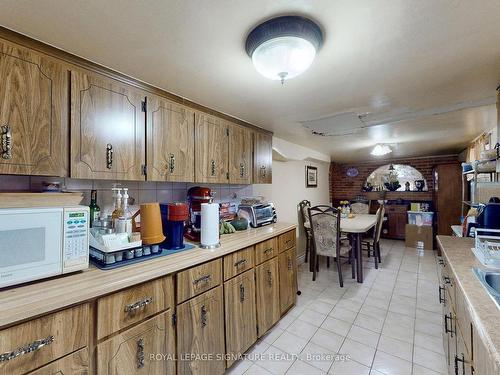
pixel 380 222
pixel 325 230
pixel 360 208
pixel 303 207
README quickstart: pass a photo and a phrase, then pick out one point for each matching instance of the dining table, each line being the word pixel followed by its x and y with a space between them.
pixel 355 227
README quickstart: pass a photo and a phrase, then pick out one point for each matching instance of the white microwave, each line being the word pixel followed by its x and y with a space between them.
pixel 41 242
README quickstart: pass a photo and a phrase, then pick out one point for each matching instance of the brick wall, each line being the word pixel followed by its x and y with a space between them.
pixel 345 187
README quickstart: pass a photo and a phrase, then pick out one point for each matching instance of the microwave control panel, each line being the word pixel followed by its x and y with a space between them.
pixel 76 238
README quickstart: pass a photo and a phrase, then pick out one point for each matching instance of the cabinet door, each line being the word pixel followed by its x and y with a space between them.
pixel 263 158
pixel 33 113
pixel 107 129
pixel 240 314
pixel 129 352
pixel 288 279
pixel 212 149
pixel 200 334
pixel 76 363
pixel 268 294
pixel 170 141
pixel 463 362
pixel 240 155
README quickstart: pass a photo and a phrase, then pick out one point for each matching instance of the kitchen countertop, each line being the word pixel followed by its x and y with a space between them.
pixel 485 314
pixel 28 301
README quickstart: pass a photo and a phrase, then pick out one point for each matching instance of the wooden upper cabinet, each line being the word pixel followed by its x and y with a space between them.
pixel 170 141
pixel 240 155
pixel 107 128
pixel 33 113
pixel 212 149
pixel 263 158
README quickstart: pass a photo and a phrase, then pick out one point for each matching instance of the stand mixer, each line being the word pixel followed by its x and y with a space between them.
pixel 196 196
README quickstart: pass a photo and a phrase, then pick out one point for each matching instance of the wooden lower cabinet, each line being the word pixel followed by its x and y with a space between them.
pixel 200 334
pixel 396 221
pixel 147 348
pixel 240 315
pixel 288 279
pixel 76 363
pixel 268 294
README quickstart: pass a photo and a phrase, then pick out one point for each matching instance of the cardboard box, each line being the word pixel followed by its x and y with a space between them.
pixel 419 236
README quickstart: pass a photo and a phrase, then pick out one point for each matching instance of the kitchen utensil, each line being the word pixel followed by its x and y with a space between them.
pixel 150 228
pixel 209 225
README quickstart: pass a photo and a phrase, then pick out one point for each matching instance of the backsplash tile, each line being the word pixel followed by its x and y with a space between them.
pixel 142 191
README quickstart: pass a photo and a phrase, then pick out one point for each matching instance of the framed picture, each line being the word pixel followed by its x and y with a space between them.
pixel 311 176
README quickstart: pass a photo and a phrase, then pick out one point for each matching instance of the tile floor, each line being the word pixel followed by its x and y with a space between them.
pixel 391 324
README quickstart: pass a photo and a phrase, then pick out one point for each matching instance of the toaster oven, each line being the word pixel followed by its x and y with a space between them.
pixel 258 214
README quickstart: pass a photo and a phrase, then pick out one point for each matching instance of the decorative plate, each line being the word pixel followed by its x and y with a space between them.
pixel 352 172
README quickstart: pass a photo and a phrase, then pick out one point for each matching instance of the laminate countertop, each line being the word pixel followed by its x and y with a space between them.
pixel 485 314
pixel 29 301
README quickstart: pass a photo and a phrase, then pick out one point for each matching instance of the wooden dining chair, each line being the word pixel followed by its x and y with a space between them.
pixel 372 244
pixel 325 235
pixel 303 207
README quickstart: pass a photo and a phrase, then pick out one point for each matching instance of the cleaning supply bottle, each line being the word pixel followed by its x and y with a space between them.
pixel 118 209
pixel 127 215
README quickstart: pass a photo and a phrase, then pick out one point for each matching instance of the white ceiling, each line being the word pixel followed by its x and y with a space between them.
pixel 413 67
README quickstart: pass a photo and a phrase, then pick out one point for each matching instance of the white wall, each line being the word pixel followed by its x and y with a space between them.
pixel 289 188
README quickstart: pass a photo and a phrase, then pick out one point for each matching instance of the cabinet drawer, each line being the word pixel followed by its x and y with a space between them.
pixel 121 309
pixel 47 338
pixel 286 240
pixel 266 250
pixel 76 363
pixel 238 262
pixel 198 279
pixel 130 351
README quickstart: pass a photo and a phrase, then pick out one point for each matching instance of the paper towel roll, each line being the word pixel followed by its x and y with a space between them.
pixel 209 225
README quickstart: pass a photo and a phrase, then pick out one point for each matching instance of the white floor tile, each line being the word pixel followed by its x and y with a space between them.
pixel 398 348
pixel 317 356
pixel 430 359
pixel 312 317
pixel 276 361
pixel 358 352
pixel 257 370
pixel 364 336
pixel 302 368
pixel 239 367
pixel 343 314
pixel 337 326
pixel 290 343
pixel 328 340
pixel 349 368
pixel 391 365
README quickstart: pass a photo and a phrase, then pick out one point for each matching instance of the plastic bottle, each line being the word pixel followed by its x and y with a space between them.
pixel 118 210
pixel 127 215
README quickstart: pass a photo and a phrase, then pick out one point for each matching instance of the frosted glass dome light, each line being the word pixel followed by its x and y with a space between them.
pixel 284 47
pixel 284 57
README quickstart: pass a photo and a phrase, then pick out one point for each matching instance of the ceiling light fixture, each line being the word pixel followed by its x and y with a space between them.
pixel 380 150
pixel 284 47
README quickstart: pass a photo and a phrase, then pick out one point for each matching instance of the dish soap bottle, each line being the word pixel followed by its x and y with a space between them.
pixel 118 210
pixel 126 212
pixel 94 208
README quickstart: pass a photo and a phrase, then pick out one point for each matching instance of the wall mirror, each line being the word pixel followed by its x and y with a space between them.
pixel 395 177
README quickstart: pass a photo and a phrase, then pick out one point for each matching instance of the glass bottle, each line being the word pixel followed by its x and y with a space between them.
pixel 94 208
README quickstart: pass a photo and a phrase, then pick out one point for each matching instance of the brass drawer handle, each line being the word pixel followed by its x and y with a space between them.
pixel 140 353
pixel 139 304
pixel 268 250
pixel 242 293
pixel 34 346
pixel 242 170
pixel 203 279
pixel 446 280
pixel 203 316
pixel 289 263
pixel 450 329
pixel 109 156
pixel 440 292
pixel 240 263
pixel 263 171
pixel 270 277
pixel 171 163
pixel 6 142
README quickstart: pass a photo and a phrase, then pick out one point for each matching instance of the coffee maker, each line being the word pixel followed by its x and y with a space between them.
pixel 196 196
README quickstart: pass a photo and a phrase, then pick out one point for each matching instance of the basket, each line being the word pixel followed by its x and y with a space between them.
pixel 487 247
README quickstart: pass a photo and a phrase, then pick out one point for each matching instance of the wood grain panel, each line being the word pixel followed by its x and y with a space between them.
pixel 240 154
pixel 122 309
pixel 76 363
pixel 212 149
pixel 200 331
pixel 199 279
pixel 288 279
pixel 447 196
pixel 240 315
pixel 33 105
pixel 104 112
pixel 263 158
pixel 170 141
pixel 266 250
pixel 122 354
pixel 69 329
pixel 238 262
pixel 268 295
pixel 286 241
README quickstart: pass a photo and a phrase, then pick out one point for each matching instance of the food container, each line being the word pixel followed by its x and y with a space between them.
pixel 129 254
pixel 146 250
pixel 155 249
pixel 119 256
pixel 138 253
pixel 110 258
